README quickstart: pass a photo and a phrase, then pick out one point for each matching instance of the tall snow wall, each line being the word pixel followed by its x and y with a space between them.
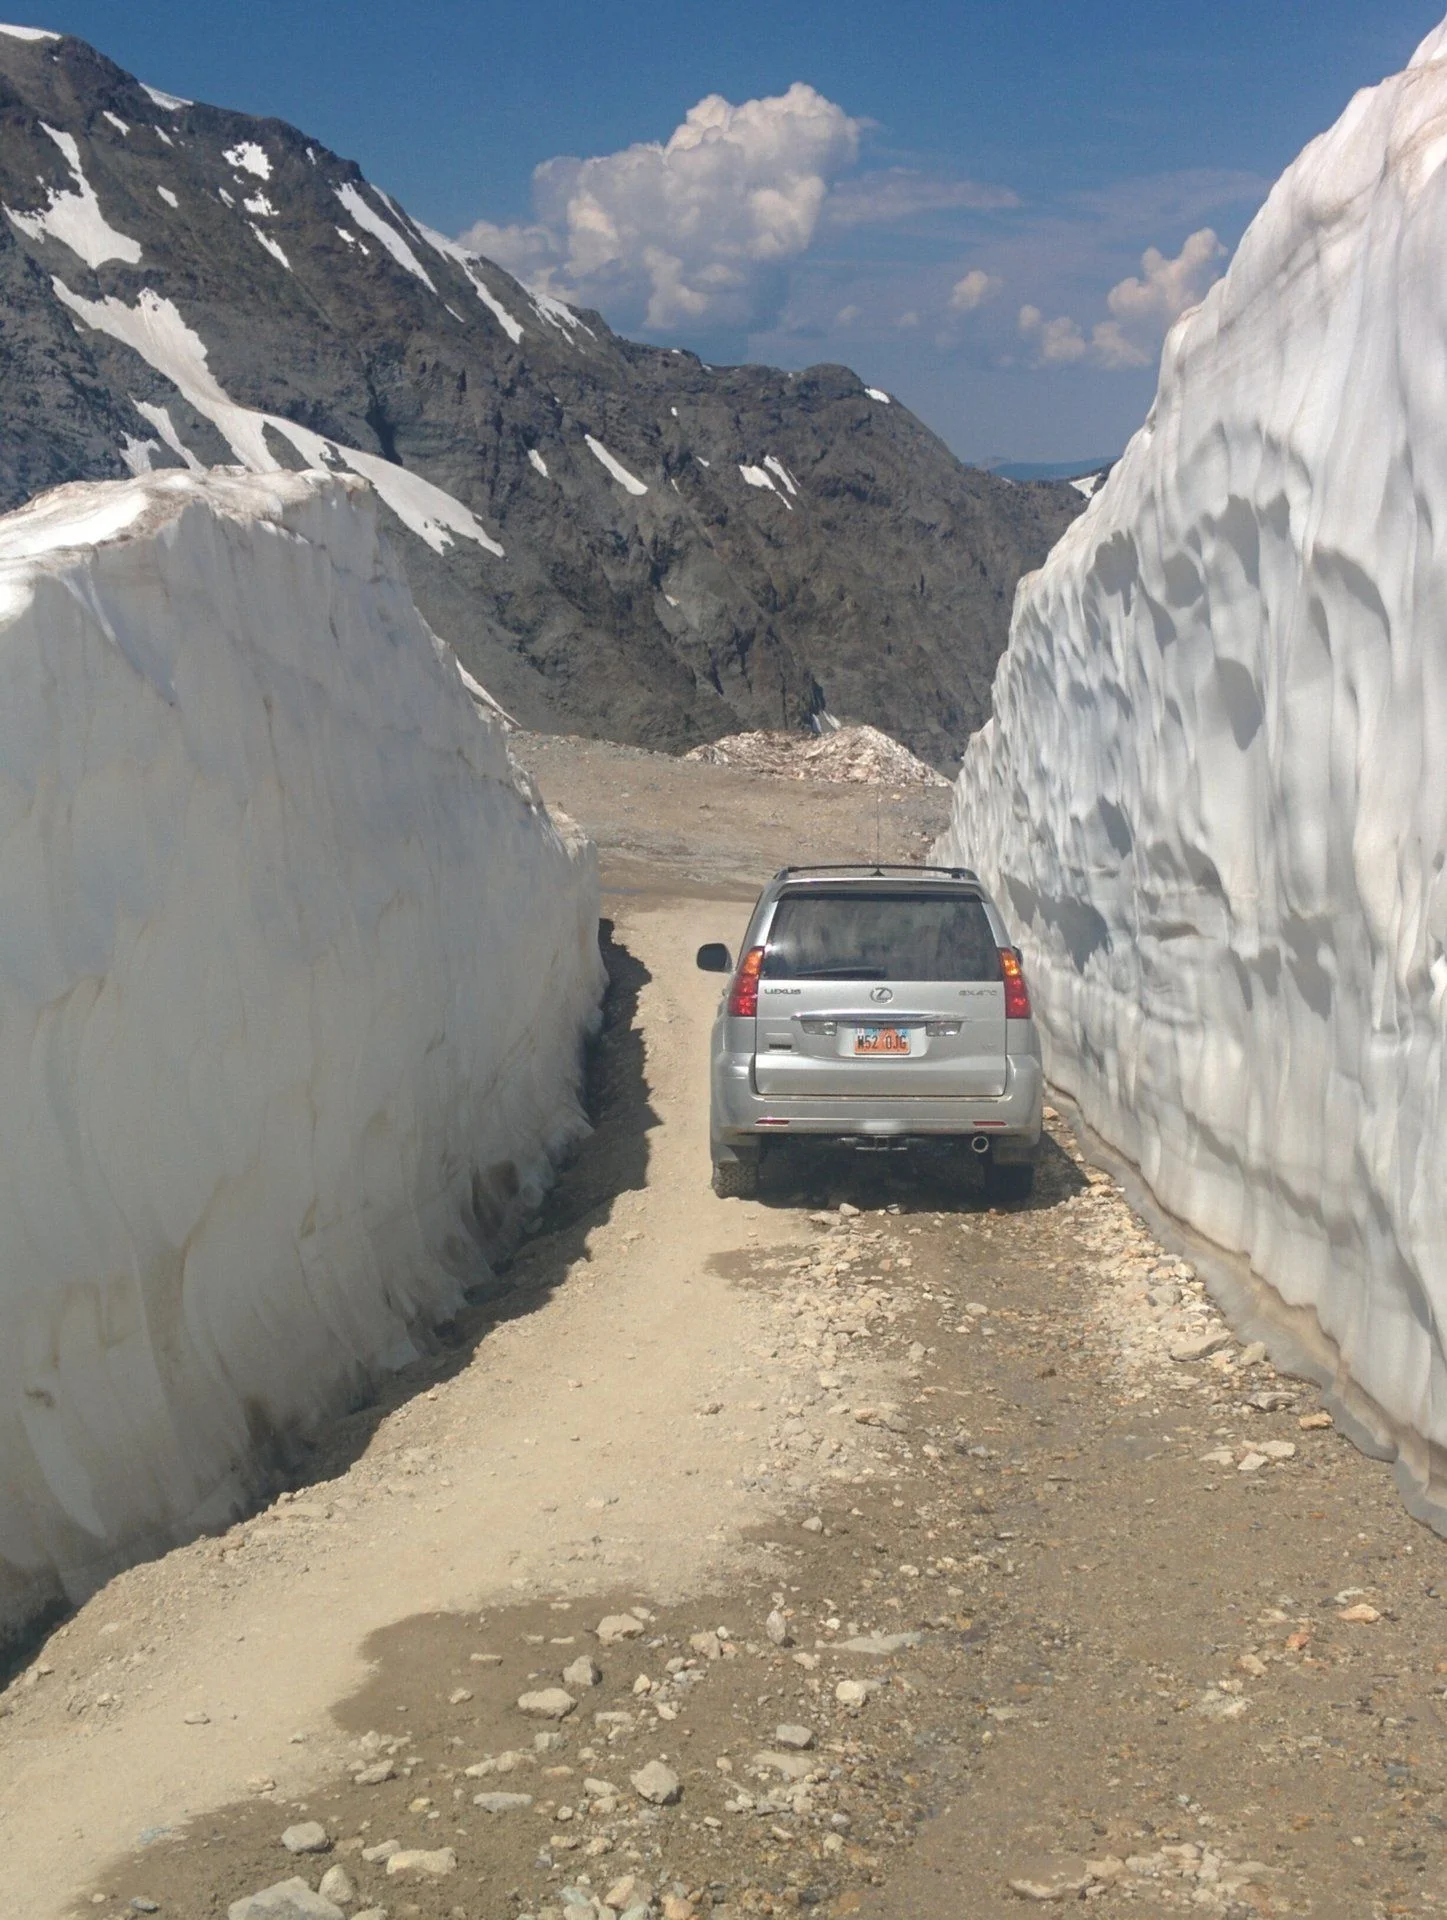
pixel 294 975
pixel 1213 794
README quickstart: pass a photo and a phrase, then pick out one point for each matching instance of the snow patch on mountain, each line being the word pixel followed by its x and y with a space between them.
pixel 616 467
pixel 1213 795
pixel 294 972
pixel 367 217
pixel 74 218
pixel 757 477
pixel 472 267
pixel 247 157
pixel 157 332
pixel 29 33
pixel 168 102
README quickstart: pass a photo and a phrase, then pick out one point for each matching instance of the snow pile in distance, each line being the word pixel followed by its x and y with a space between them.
pixel 1213 795
pixel 862 755
pixel 294 972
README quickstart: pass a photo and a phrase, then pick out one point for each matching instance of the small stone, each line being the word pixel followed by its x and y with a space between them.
pixel 1251 1462
pixel 800 1739
pixel 374 1776
pixel 1199 1345
pixel 882 1643
pixel 848 1212
pixel 1253 1664
pixel 777 1629
pixel 675 1907
pixel 708 1644
pixel 628 1892
pixel 641 1686
pixel 657 1784
pixel 813 1524
pixel 1271 1400
pixel 502 1802
pixel 383 1850
pixel 433 1864
pixel 336 1885
pixel 583 1672
pixel 793 1766
pixel 197 1719
pixel 1253 1355
pixel 618 1626
pixel 287 1900
pixel 548 1703
pixel 549 1742
pixel 1277 1449
pixel 1360 1615
pixel 1107 1871
pixel 1314 1422
pixel 141 1904
pixel 458 1695
pixel 1049 1879
pixel 854 1693
pixel 308 1836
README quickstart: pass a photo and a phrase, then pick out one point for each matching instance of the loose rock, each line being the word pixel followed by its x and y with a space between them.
pixel 308 1836
pixel 433 1864
pixel 287 1900
pixel 618 1626
pixel 1050 1880
pixel 657 1784
pixel 583 1672
pixel 548 1703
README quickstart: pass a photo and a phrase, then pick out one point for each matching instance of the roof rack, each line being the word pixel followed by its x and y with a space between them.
pixel 878 869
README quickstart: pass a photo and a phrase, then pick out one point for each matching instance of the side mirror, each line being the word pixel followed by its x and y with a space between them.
pixel 715 958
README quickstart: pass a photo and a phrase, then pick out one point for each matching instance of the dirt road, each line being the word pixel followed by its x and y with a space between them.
pixel 931 1569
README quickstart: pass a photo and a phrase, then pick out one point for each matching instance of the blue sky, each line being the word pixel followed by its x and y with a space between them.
pixel 955 199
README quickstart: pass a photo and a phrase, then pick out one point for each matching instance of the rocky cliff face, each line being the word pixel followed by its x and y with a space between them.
pixel 617 539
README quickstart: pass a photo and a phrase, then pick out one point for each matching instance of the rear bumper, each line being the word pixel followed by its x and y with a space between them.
pixel 741 1118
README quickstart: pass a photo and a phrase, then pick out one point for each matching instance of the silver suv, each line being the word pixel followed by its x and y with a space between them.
pixel 879 1006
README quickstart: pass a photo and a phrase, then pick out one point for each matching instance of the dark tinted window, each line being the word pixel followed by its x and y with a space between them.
pixel 881 936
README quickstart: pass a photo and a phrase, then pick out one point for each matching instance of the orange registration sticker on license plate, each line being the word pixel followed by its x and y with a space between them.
pixel 881 1040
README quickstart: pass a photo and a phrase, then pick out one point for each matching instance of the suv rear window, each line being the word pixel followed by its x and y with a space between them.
pixel 855 935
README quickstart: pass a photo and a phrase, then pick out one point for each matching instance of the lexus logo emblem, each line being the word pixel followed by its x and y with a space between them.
pixel 881 993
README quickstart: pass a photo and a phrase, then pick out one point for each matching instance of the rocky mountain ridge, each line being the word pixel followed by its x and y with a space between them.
pixel 617 539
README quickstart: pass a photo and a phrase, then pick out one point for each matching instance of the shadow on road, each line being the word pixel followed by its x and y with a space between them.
pixel 611 1161
pixel 946 1179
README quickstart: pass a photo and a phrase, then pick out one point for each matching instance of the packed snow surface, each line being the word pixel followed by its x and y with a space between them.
pixel 616 467
pixel 294 971
pixel 1213 795
pixel 29 33
pixel 73 216
pixel 155 329
pixel 877 393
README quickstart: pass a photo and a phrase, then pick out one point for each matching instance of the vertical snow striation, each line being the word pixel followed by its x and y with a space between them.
pixel 294 973
pixel 1213 795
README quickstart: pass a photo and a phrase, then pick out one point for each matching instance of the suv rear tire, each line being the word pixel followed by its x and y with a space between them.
pixel 1004 1184
pixel 736 1179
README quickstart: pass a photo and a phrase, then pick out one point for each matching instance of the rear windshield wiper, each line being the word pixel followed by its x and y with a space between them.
pixel 846 972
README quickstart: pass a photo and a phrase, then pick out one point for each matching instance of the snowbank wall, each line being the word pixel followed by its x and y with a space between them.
pixel 294 974
pixel 1213 795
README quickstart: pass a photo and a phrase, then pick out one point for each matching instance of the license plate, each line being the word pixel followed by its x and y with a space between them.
pixel 881 1040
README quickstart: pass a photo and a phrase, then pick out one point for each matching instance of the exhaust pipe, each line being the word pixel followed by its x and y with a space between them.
pixel 980 1144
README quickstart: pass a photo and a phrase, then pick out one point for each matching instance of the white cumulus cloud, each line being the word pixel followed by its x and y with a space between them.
pixel 1168 287
pixel 1058 342
pixel 698 228
pixel 1143 308
pixel 973 290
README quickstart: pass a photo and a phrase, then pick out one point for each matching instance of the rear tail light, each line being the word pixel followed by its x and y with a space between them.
pixel 1017 994
pixel 744 993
